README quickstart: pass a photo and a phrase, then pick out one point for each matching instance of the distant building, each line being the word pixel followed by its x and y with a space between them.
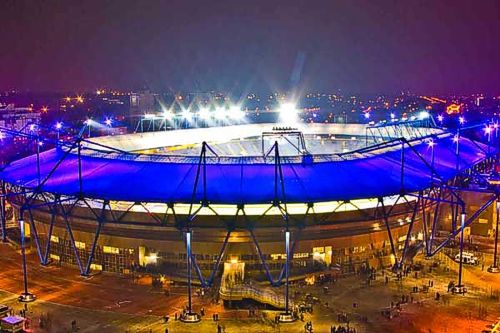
pixel 16 118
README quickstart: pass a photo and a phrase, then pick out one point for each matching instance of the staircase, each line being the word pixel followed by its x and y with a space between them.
pixel 263 295
pixel 232 288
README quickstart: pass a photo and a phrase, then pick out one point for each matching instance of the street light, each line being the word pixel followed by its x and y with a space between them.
pixel 88 123
pixel 58 127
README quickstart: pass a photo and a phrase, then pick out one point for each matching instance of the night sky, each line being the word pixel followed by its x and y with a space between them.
pixel 240 46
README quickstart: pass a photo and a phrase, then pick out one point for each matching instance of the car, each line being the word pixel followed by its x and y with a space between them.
pixel 467 258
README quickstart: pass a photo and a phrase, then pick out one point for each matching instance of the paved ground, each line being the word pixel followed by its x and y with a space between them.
pixel 108 303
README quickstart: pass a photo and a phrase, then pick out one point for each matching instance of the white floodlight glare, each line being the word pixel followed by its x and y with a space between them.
pixel 440 118
pixel 88 122
pixel 220 113
pixel 204 113
pixel 288 113
pixel 58 125
pixel 108 122
pixel 423 115
pixel 167 114
pixel 236 113
pixel 186 114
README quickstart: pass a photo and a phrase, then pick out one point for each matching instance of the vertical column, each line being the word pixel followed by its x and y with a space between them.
pixel 188 251
pixel 287 268
pixel 3 211
pixel 189 316
pixel 287 316
pixel 494 268
pixel 25 296
pixel 462 226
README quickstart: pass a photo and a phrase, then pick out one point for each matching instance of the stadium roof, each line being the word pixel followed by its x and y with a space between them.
pixel 373 174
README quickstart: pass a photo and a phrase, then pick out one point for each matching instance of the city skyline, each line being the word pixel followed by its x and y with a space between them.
pixel 251 46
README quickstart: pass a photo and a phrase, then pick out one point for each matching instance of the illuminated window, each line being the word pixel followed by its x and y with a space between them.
pixel 278 256
pixel 80 245
pixel 54 239
pixel 55 257
pixel 96 267
pixel 111 249
pixel 318 249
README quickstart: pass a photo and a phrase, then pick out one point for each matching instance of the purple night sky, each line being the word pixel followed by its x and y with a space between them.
pixel 360 46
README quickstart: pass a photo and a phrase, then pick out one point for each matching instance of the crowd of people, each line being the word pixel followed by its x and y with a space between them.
pixel 342 329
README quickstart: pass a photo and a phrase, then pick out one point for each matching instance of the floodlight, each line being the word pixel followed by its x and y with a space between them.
pixel 204 113
pixel 220 113
pixel 423 115
pixel 235 112
pixel 186 114
pixel 288 113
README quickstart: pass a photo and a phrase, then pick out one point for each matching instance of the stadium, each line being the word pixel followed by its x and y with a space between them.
pixel 244 198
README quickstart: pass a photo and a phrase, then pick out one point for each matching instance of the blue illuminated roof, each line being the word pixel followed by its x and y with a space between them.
pixel 374 174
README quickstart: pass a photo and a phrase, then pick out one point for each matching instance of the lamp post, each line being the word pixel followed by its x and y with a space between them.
pixel 26 296
pixel 58 130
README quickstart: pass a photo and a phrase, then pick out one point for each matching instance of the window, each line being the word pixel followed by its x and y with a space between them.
pixel 111 249
pixel 80 245
pixel 96 267
pixel 54 239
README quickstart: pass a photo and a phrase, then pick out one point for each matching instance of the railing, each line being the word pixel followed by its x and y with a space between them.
pixel 241 291
pixel 387 146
